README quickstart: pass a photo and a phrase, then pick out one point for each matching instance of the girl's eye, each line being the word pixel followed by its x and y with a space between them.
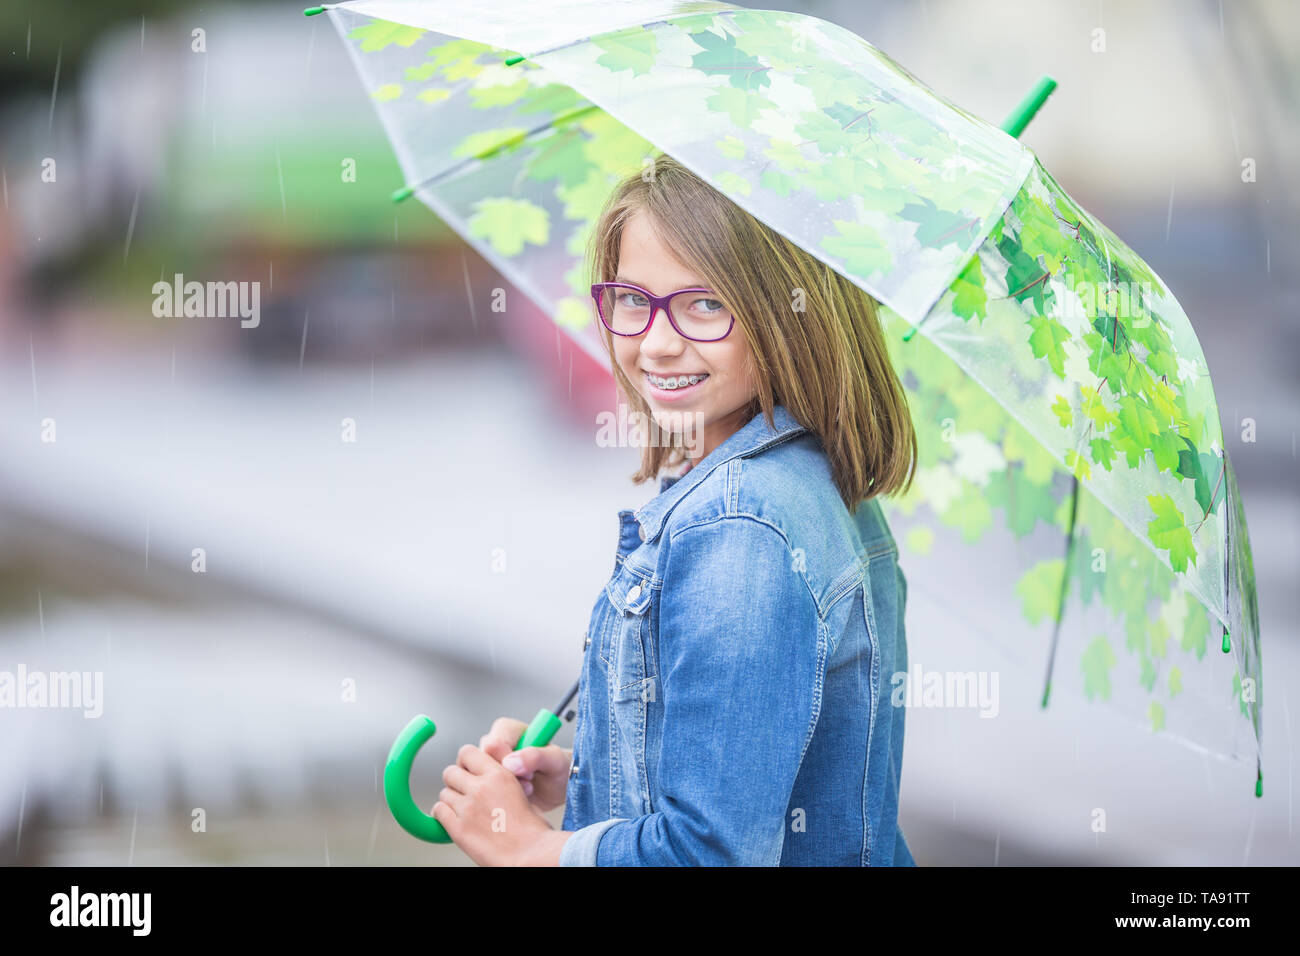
pixel 707 305
pixel 641 302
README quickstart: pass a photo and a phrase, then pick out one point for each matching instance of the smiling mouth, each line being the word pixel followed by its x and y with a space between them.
pixel 672 383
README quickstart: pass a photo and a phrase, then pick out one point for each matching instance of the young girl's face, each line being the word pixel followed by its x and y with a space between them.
pixel 711 410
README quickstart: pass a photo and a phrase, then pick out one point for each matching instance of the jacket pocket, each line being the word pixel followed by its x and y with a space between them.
pixel 623 640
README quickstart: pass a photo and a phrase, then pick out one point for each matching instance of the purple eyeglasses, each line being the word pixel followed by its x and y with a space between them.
pixel 634 318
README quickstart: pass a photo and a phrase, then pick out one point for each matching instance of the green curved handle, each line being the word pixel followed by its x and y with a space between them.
pixel 401 756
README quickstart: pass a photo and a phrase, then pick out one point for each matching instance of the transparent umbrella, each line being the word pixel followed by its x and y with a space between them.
pixel 1071 466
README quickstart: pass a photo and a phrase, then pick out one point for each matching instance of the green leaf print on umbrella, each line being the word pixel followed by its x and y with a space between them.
pixel 378 34
pixel 1098 660
pixel 1071 462
pixel 635 52
pixel 1168 529
pixel 508 223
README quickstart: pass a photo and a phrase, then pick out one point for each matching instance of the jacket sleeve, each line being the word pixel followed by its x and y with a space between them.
pixel 741 657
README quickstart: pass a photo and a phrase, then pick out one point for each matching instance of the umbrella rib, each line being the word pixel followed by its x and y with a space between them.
pixel 406 191
pixel 1213 495
pixel 1227 557
pixel 519 58
pixel 631 28
pixel 1065 585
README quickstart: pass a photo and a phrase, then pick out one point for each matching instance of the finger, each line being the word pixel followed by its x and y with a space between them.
pixel 521 763
pixel 445 815
pixel 452 799
pixel 507 728
pixel 456 778
pixel 528 788
pixel 521 773
pixel 551 760
pixel 494 747
pixel 555 760
pixel 503 736
pixel 476 761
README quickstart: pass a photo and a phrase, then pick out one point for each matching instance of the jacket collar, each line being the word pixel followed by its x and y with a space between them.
pixel 750 439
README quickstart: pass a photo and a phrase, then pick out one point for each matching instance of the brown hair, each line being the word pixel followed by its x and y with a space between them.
pixel 828 364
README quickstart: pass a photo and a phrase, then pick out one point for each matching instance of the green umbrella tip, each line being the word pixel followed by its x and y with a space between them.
pixel 1015 124
pixel 1259 783
pixel 312 11
pixel 1227 643
pixel 515 59
pixel 404 193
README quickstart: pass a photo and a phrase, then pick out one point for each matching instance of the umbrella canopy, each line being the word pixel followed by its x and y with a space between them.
pixel 1067 427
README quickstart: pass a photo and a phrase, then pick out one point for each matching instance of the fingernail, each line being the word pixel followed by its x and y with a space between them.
pixel 513 763
pixel 528 788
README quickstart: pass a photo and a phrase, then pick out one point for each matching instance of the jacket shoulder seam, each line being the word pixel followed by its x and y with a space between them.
pixel 715 519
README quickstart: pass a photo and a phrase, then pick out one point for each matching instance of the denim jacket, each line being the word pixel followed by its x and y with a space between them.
pixel 734 704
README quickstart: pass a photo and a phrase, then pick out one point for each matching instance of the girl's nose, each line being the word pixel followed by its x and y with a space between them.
pixel 661 338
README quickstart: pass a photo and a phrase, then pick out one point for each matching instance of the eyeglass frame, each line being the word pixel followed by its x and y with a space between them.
pixel 657 302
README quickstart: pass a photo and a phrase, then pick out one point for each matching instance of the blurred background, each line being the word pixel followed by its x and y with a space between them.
pixel 269 604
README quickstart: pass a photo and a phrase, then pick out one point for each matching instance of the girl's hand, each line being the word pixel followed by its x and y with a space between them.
pixel 542 771
pixel 486 813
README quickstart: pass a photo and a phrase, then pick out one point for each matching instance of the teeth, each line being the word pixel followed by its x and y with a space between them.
pixel 675 382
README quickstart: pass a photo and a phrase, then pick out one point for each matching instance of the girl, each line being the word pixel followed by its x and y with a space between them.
pixel 735 700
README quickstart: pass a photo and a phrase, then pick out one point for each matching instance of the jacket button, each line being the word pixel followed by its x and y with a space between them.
pixel 640 532
pixel 586 641
pixel 573 771
pixel 633 593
